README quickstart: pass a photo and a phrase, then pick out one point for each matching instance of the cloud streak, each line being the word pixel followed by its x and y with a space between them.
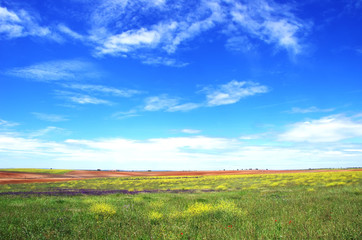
pixel 47 131
pixel 81 98
pixel 103 90
pixel 312 109
pixel 4 123
pixel 56 71
pixel 232 92
pixel 49 117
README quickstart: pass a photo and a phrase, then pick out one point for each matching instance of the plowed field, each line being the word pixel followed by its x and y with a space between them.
pixel 22 177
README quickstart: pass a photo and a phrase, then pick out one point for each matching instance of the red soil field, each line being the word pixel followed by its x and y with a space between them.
pixel 22 177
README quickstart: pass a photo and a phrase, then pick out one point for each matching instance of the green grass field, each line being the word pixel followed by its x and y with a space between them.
pixel 278 206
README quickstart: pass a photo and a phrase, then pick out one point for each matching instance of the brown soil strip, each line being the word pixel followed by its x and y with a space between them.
pixel 21 177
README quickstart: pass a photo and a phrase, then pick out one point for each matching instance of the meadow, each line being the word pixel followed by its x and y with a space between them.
pixel 325 205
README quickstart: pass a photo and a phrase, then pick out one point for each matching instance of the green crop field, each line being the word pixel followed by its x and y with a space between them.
pixel 271 206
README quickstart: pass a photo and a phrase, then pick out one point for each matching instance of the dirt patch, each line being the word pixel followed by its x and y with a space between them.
pixel 21 177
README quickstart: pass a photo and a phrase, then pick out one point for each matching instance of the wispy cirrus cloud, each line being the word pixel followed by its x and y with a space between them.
pixel 126 114
pixel 183 107
pixel 271 23
pixel 333 128
pixel 81 98
pixel 312 109
pixel 50 117
pixel 56 71
pixel 119 28
pixel 228 93
pixel 165 103
pixel 166 61
pixel 129 41
pixel 162 102
pixel 103 89
pixel 232 92
pixel 67 74
pixel 178 23
pixel 21 23
pixel 47 131
pixel 4 123
pixel 86 99
pixel 69 32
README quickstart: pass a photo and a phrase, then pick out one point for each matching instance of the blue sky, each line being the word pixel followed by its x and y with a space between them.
pixel 178 85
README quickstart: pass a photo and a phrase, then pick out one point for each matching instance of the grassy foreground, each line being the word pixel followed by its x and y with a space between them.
pixel 263 208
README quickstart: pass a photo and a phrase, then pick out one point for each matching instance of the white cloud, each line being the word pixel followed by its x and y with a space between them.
pixel 4 123
pixel 177 153
pixel 232 92
pixel 66 30
pixel 228 93
pixel 353 150
pixel 103 89
pixel 85 99
pixel 156 2
pixel 125 115
pixel 14 24
pixel 190 131
pixel 252 136
pixel 129 41
pixel 283 33
pixel 118 28
pixel 106 13
pixel 50 117
pixel 270 22
pixel 6 15
pixel 56 70
pixel 167 34
pixel 47 131
pixel 162 102
pixel 309 110
pixel 177 23
pixel 183 107
pixel 81 98
pixel 189 28
pixel 163 61
pixel 328 129
pixel 165 103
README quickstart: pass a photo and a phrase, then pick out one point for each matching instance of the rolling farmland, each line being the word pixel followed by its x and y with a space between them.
pixel 301 205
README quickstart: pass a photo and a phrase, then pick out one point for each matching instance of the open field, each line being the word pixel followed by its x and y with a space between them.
pixel 293 205
pixel 27 175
